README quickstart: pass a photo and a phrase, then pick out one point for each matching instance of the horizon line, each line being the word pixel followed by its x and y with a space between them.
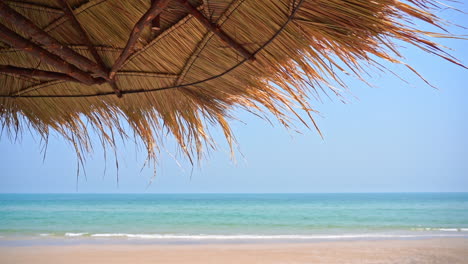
pixel 143 193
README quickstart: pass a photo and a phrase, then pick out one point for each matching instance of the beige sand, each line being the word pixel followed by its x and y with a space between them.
pixel 430 251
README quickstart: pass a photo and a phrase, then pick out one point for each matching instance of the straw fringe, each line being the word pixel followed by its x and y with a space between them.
pixel 186 79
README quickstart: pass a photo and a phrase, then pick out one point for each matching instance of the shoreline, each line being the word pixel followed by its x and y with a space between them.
pixel 433 250
pixel 71 239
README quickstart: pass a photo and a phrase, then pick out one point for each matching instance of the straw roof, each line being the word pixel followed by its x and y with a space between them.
pixel 178 67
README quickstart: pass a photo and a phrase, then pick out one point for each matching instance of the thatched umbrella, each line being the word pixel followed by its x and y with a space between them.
pixel 178 66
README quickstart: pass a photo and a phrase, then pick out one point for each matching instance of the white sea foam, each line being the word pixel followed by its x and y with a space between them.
pixel 428 232
pixel 262 237
pixel 444 229
pixel 75 234
pixel 44 235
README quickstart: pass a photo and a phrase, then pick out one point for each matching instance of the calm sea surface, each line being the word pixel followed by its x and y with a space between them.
pixel 164 217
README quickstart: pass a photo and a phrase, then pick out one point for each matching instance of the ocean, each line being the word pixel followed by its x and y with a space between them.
pixel 167 218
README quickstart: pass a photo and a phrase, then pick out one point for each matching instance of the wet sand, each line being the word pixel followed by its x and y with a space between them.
pixel 433 251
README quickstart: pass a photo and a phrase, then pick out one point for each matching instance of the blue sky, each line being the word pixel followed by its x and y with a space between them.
pixel 394 138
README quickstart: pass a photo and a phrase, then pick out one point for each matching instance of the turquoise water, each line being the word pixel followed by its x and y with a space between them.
pixel 233 216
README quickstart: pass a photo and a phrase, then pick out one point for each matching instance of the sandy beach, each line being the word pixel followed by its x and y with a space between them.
pixel 443 250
